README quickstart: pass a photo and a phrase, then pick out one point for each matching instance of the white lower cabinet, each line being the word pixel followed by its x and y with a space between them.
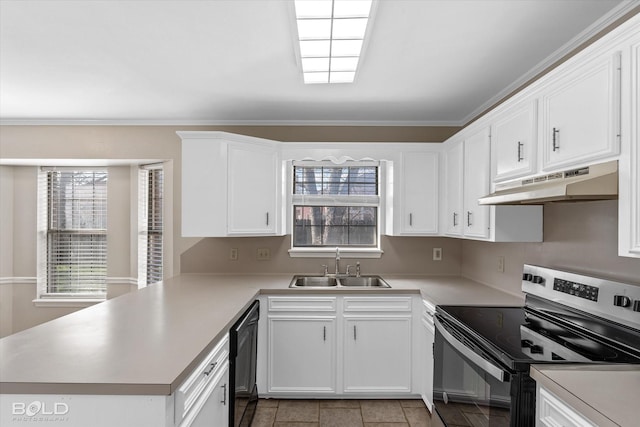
pixel 302 354
pixel 348 346
pixel 212 409
pixel 377 354
pixel 203 398
pixel 553 412
pixel 427 339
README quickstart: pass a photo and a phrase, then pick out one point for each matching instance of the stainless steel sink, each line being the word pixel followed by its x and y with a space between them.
pixel 313 282
pixel 301 281
pixel 369 281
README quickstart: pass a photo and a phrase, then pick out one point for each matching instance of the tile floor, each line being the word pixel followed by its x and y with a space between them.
pixel 341 413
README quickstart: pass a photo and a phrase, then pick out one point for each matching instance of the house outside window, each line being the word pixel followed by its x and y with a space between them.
pixel 335 205
pixel 73 233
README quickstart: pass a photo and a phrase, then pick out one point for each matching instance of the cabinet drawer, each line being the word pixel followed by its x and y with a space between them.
pixel 359 304
pixel 195 384
pixel 553 412
pixel 324 304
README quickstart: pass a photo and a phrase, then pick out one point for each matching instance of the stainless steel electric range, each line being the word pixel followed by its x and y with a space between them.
pixel 483 353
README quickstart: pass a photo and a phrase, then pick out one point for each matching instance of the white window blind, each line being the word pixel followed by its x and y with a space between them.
pixel 150 225
pixel 76 250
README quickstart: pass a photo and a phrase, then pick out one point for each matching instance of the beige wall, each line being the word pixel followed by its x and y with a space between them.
pixel 582 237
pixel 402 255
pixel 19 269
pixel 151 143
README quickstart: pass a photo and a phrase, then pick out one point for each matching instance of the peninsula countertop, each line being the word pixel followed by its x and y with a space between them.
pixel 605 394
pixel 146 342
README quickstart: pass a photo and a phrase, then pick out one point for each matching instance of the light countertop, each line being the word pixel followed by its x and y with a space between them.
pixel 608 395
pixel 146 342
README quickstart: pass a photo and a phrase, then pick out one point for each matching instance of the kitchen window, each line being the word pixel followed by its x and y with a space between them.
pixel 335 205
pixel 150 224
pixel 73 233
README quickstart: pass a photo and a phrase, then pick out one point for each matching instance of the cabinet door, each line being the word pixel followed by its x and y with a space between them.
pixel 629 194
pixel 419 213
pixel 212 408
pixel 513 143
pixel 302 354
pixel 552 412
pixel 452 196
pixel 476 184
pixel 581 114
pixel 377 354
pixel 426 361
pixel 253 190
pixel 204 187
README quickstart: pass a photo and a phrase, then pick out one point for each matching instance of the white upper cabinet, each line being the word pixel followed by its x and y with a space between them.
pixel 415 200
pixel 452 194
pixel 230 185
pixel 476 181
pixel 514 142
pixel 581 113
pixel 629 189
pixel 253 188
pixel 466 179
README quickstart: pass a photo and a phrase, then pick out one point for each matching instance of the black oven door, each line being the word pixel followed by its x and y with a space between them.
pixel 470 389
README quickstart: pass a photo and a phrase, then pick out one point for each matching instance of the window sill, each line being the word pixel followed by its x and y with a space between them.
pixel 331 253
pixel 67 302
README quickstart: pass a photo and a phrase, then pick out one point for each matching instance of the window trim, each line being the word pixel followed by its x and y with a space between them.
pixel 375 201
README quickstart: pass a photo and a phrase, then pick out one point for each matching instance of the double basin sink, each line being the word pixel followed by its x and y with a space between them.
pixel 302 281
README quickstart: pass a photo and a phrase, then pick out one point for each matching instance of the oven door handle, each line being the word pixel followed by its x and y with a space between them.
pixel 496 372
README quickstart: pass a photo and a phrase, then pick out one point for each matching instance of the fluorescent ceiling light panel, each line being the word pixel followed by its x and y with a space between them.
pixel 331 35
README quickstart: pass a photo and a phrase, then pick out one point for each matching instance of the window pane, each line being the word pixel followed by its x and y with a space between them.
pixel 336 180
pixel 77 263
pixel 76 236
pixel 335 226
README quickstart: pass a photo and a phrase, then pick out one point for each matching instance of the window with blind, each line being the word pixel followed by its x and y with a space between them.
pixel 76 233
pixel 150 225
pixel 335 205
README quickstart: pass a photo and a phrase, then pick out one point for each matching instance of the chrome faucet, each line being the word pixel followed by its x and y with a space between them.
pixel 337 261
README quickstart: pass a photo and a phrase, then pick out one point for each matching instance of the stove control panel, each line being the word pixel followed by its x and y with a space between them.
pixel 576 289
pixel 616 301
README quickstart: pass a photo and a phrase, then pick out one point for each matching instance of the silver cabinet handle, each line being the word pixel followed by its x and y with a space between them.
pixel 555 139
pixel 520 145
pixel 324 333
pixel 469 213
pixel 212 366
pixel 355 336
pixel 267 218
pixel 224 395
pixel 410 220
pixel 455 219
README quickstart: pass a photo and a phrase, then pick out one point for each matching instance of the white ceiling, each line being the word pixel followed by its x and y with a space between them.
pixel 234 62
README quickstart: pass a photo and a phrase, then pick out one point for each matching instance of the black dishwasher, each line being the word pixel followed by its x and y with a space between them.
pixel 243 353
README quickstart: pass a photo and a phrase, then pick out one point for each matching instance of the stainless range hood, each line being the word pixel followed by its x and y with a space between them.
pixel 595 182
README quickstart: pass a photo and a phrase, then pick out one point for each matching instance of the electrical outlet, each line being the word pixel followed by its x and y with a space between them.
pixel 437 254
pixel 233 254
pixel 263 254
pixel 501 264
